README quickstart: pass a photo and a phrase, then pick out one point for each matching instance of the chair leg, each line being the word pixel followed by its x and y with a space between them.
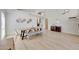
pixel 22 37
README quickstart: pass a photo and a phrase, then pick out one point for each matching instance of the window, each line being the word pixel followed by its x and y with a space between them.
pixel 2 25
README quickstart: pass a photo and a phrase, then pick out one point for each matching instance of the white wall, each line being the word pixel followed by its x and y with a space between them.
pixel 12 25
pixel 52 16
pixel 68 25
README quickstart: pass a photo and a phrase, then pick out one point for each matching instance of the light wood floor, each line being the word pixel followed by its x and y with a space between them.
pixel 7 44
pixel 48 41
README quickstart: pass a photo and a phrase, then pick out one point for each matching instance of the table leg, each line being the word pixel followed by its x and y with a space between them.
pixel 22 34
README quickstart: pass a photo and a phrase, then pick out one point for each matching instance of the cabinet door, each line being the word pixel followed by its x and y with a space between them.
pixel 73 26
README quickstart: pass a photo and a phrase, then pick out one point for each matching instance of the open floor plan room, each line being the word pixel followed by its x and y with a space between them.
pixel 39 29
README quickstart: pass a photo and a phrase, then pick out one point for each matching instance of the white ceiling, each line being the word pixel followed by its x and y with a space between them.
pixel 31 10
pixel 35 10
